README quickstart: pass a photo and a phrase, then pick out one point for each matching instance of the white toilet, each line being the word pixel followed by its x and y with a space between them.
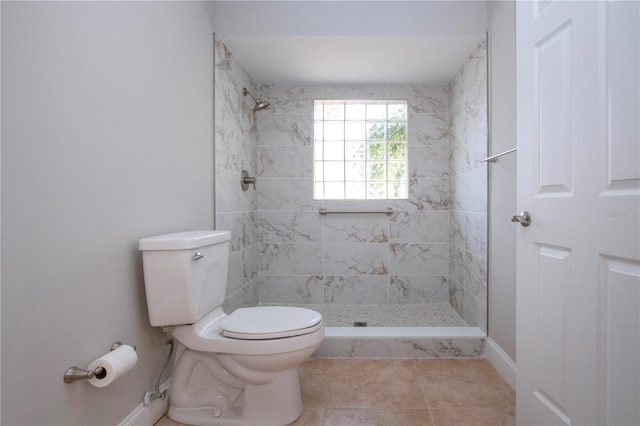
pixel 238 369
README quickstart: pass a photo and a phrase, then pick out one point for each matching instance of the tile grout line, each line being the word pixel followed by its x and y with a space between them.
pixel 424 394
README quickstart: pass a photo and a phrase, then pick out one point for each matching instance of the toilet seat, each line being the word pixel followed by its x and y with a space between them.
pixel 270 322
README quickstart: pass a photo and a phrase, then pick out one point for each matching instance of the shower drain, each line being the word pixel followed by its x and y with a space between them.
pixel 359 323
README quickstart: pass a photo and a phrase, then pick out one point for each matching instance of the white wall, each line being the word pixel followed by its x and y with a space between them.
pixel 106 138
pixel 502 202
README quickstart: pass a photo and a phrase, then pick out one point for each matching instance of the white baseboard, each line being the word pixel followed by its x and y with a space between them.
pixel 501 361
pixel 148 415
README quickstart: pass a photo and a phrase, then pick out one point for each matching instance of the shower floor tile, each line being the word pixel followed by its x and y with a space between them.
pixel 405 315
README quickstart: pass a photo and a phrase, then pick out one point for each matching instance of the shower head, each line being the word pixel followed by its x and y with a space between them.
pixel 260 104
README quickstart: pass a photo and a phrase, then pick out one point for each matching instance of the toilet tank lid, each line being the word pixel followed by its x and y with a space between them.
pixel 183 240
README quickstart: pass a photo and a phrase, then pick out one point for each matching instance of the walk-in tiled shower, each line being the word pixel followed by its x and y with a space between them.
pixel 422 266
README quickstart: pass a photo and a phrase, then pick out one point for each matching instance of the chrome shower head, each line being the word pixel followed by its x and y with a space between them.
pixel 260 104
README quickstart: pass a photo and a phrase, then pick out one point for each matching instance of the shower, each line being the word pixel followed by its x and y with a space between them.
pixel 410 284
pixel 260 104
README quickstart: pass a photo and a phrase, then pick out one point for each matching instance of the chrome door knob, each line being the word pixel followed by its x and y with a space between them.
pixel 524 218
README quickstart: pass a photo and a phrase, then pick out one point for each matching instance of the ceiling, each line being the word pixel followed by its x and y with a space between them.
pixel 351 59
pixel 357 42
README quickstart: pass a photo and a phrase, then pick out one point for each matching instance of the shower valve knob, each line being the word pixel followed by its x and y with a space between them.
pixel 246 180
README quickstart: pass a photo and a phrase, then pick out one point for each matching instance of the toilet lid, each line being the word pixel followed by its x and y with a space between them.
pixel 270 322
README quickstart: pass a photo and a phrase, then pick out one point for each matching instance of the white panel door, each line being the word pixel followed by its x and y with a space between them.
pixel 578 263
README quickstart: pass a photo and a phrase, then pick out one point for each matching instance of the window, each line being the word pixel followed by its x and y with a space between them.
pixel 360 149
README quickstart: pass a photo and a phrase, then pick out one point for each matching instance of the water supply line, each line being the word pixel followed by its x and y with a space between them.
pixel 156 394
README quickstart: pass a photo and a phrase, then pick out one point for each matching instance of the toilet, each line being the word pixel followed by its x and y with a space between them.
pixel 237 369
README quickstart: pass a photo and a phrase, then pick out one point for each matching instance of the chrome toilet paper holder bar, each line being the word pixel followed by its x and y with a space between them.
pixel 75 373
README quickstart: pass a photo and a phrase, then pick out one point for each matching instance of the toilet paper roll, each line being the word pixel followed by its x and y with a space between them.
pixel 115 364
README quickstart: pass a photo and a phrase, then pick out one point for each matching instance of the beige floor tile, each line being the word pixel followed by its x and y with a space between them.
pixel 458 383
pixel 310 417
pixel 390 392
pixel 361 417
pixel 381 383
pixel 315 377
pixel 474 417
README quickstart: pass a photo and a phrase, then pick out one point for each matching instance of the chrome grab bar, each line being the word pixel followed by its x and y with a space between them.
pixel 494 157
pixel 388 210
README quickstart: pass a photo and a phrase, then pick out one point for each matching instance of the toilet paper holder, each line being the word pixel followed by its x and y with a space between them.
pixel 75 373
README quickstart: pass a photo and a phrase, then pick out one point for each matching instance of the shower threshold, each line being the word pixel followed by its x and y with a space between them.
pixel 432 330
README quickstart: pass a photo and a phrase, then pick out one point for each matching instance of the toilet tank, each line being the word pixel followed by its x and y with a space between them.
pixel 185 275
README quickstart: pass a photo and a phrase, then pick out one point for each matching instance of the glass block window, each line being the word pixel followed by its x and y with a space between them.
pixel 360 149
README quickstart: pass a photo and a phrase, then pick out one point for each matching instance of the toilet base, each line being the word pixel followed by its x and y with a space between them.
pixel 276 403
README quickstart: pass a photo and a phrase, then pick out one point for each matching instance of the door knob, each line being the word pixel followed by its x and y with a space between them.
pixel 524 218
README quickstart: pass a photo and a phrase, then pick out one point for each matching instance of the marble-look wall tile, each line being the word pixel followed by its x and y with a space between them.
pixel 290 259
pixel 356 290
pixel 250 295
pixel 292 289
pixel 469 271
pixel 474 312
pixel 230 153
pixel 456 296
pixel 418 289
pixel 275 161
pixel 456 88
pixel 229 194
pixel 424 194
pixel 232 302
pixel 468 192
pixel 356 229
pixel 440 348
pixel 228 107
pixel 419 259
pixel 285 129
pixel 457 122
pixel 225 64
pixel 428 161
pixel 251 263
pixel 235 279
pixel 290 99
pixel 476 109
pixel 421 226
pixel 355 259
pixel 469 231
pixel 468 188
pixel 456 265
pixel 243 227
pixel 235 142
pixel 290 226
pixel 475 67
pixel 465 155
pixel 423 98
pixel 286 194
pixel 475 275
pixel 355 348
pixel 428 129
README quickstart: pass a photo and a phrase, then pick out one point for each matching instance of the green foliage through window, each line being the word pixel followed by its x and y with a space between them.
pixel 360 149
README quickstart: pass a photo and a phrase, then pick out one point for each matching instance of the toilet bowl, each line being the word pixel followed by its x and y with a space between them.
pixel 236 369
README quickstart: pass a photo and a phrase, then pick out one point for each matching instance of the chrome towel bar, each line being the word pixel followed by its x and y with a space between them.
pixel 494 157
pixel 388 210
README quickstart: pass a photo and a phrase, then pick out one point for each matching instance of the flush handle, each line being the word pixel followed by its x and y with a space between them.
pixel 198 256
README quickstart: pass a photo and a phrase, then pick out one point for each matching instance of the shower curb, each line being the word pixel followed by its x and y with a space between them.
pixel 402 342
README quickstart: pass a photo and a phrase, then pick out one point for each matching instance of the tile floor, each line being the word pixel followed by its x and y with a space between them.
pixel 404 392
